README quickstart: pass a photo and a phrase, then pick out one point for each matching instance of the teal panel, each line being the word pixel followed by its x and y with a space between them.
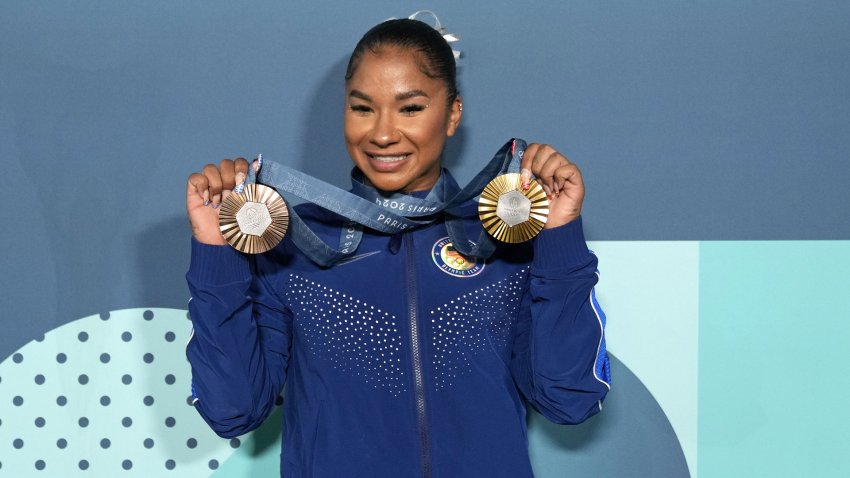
pixel 773 359
pixel 259 453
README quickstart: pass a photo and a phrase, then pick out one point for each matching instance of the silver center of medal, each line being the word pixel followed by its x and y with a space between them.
pixel 253 218
pixel 513 208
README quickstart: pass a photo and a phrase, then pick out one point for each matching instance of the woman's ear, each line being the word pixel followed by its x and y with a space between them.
pixel 455 116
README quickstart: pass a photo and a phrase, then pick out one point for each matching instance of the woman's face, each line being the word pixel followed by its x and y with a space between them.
pixel 397 120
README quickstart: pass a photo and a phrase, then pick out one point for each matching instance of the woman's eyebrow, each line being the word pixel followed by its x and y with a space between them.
pixel 399 97
pixel 360 94
pixel 410 94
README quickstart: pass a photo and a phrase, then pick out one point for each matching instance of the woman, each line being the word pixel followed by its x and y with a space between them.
pixel 407 360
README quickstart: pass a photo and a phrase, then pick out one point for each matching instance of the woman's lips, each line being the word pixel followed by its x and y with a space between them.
pixel 387 162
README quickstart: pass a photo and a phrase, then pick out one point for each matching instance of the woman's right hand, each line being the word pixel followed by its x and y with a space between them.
pixel 204 193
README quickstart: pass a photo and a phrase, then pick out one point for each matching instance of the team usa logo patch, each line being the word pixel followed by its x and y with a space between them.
pixel 450 261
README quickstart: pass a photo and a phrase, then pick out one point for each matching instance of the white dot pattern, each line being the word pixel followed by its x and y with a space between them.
pixel 105 395
pixel 465 326
pixel 356 337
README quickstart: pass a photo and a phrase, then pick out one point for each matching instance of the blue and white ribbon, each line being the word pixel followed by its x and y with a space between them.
pixel 365 206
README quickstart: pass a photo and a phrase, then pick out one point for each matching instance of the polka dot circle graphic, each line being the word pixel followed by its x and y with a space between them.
pixel 105 395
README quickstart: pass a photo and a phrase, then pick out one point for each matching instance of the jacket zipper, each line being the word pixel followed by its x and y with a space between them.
pixel 416 356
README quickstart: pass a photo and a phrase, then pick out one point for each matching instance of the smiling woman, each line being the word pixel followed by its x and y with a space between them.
pixel 397 121
pixel 409 358
pixel 402 105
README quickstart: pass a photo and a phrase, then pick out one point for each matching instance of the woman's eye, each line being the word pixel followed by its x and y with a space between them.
pixel 412 109
pixel 360 109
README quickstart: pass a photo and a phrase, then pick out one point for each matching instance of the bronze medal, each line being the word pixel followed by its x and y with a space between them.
pixel 255 220
pixel 510 214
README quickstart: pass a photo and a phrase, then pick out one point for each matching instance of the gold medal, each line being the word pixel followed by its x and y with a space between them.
pixel 510 214
pixel 254 220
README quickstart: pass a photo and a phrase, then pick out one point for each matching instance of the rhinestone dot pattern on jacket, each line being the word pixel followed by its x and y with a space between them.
pixel 356 337
pixel 471 323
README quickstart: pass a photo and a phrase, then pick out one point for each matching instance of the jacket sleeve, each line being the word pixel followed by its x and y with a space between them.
pixel 239 348
pixel 559 360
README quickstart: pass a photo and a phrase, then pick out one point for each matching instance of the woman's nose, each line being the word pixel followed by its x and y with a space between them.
pixel 384 133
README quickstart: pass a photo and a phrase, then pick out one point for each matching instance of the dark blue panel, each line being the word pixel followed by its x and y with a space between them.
pixel 710 121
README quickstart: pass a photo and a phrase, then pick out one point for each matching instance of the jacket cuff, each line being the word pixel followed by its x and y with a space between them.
pixel 217 264
pixel 561 246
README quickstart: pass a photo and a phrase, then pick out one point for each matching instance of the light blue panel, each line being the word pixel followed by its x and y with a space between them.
pixel 774 359
pixel 650 294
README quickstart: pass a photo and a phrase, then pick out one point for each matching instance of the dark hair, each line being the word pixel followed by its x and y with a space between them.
pixel 434 54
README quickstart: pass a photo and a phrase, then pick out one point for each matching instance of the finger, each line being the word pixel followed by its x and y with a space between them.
pixel 525 178
pixel 241 168
pixel 525 164
pixel 213 175
pixel 546 190
pixel 569 175
pixel 227 168
pixel 539 163
pixel 228 174
pixel 198 185
pixel 547 170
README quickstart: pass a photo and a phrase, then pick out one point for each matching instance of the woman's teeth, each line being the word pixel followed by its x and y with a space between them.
pixel 389 159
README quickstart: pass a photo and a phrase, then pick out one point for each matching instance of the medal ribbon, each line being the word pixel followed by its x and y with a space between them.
pixel 365 206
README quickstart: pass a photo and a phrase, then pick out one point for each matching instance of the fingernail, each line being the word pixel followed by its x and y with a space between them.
pixel 207 202
pixel 525 175
pixel 206 198
pixel 216 206
pixel 240 178
pixel 216 200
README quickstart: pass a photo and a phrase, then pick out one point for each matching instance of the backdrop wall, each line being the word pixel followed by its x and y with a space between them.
pixel 714 138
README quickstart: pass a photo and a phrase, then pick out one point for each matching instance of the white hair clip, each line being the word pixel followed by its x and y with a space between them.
pixel 449 37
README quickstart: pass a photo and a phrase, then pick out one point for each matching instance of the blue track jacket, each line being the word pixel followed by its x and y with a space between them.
pixel 405 360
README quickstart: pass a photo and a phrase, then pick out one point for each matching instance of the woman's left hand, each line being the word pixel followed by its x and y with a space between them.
pixel 560 179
